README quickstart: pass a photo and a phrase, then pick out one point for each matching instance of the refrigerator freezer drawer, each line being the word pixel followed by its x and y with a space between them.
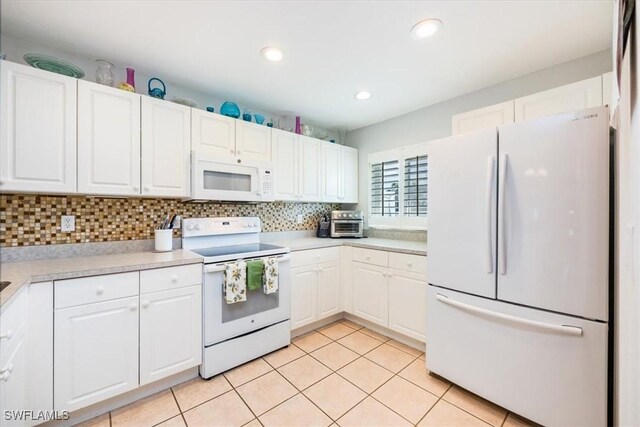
pixel 546 367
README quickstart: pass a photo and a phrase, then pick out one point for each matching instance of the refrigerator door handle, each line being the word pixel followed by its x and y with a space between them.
pixel 502 256
pixel 487 211
pixel 562 329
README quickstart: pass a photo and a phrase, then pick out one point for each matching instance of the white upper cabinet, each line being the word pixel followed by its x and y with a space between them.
pixel 482 118
pixel 166 148
pixel 38 132
pixel 348 178
pixel 285 164
pixel 330 173
pixel 108 140
pixel 253 141
pixel 574 96
pixel 213 134
pixel 309 176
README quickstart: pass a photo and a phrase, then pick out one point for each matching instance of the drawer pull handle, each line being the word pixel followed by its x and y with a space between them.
pixel 368 257
pixel 7 335
pixel 145 304
pixel 409 264
pixel 99 290
pixel 562 329
pixel 133 306
pixel 174 278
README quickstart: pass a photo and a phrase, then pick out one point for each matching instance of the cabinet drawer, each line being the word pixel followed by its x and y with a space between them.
pixel 162 279
pixel 371 256
pixel 12 325
pixel 407 262
pixel 88 290
pixel 315 256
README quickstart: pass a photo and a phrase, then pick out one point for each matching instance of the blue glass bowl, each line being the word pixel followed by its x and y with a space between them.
pixel 230 109
pixel 259 118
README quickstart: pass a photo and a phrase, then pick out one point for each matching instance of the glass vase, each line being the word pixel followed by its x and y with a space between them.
pixel 104 75
pixel 131 77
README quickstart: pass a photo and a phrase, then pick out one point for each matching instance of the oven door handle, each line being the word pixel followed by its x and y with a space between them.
pixel 214 268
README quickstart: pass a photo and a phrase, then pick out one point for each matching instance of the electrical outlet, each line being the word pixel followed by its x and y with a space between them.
pixel 299 219
pixel 68 223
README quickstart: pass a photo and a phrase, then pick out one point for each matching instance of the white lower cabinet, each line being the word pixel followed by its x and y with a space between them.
pixel 304 291
pixel 13 384
pixel 170 332
pixel 370 293
pixel 329 296
pixel 408 304
pixel 95 352
pixel 110 338
pixel 315 290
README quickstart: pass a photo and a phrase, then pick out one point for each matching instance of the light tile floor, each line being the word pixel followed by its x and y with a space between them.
pixel 341 374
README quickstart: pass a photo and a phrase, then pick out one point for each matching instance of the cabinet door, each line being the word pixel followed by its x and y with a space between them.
pixel 348 175
pixel 370 293
pixel 285 164
pixel 408 304
pixel 38 132
pixel 13 384
pixel 571 97
pixel 331 168
pixel 304 291
pixel 253 142
pixel 95 352
pixel 309 175
pixel 170 332
pixel 213 134
pixel 108 140
pixel 483 118
pixel 329 295
pixel 166 148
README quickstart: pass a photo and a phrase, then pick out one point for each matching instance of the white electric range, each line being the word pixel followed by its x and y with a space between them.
pixel 236 333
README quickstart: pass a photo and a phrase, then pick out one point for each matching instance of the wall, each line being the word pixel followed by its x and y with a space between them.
pixel 15 48
pixel 30 220
pixel 434 122
pixel 627 240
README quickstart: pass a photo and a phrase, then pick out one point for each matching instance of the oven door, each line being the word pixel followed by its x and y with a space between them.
pixel 220 180
pixel 346 228
pixel 223 321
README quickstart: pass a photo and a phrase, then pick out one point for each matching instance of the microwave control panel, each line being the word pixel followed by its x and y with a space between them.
pixel 266 182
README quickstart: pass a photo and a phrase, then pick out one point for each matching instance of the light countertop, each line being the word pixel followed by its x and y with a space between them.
pixel 402 246
pixel 23 273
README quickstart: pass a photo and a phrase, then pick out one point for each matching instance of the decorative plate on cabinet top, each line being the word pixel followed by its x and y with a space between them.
pixel 53 64
pixel 185 101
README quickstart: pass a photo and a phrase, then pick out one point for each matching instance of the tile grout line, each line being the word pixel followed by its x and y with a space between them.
pixel 179 408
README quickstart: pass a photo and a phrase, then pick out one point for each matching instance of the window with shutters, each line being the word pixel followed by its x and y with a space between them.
pixel 398 188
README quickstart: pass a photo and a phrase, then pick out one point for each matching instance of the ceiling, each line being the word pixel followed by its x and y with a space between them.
pixel 332 49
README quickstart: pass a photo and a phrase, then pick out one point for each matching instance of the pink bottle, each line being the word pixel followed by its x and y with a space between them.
pixel 298 130
pixel 131 77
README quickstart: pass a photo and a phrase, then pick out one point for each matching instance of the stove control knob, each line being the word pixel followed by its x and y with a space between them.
pixel 197 227
pixel 245 224
pixel 189 227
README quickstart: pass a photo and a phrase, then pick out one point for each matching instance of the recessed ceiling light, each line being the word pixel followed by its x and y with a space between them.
pixel 271 53
pixel 362 95
pixel 426 28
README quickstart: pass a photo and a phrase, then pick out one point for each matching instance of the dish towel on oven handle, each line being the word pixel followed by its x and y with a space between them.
pixel 235 282
pixel 270 275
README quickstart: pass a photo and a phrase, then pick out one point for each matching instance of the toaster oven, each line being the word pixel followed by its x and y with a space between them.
pixel 347 223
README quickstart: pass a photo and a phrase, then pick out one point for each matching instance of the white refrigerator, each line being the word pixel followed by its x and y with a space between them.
pixel 518 266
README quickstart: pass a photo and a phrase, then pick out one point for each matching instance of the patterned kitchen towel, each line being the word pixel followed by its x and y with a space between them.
pixel 255 267
pixel 270 277
pixel 235 282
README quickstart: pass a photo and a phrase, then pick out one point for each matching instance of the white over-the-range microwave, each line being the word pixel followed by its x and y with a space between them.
pixel 230 179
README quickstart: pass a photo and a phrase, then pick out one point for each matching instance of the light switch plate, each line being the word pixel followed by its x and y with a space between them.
pixel 68 223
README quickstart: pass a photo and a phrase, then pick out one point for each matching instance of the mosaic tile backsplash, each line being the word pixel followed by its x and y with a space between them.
pixel 28 220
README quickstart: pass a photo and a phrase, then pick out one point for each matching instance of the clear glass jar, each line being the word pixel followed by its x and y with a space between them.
pixel 104 75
